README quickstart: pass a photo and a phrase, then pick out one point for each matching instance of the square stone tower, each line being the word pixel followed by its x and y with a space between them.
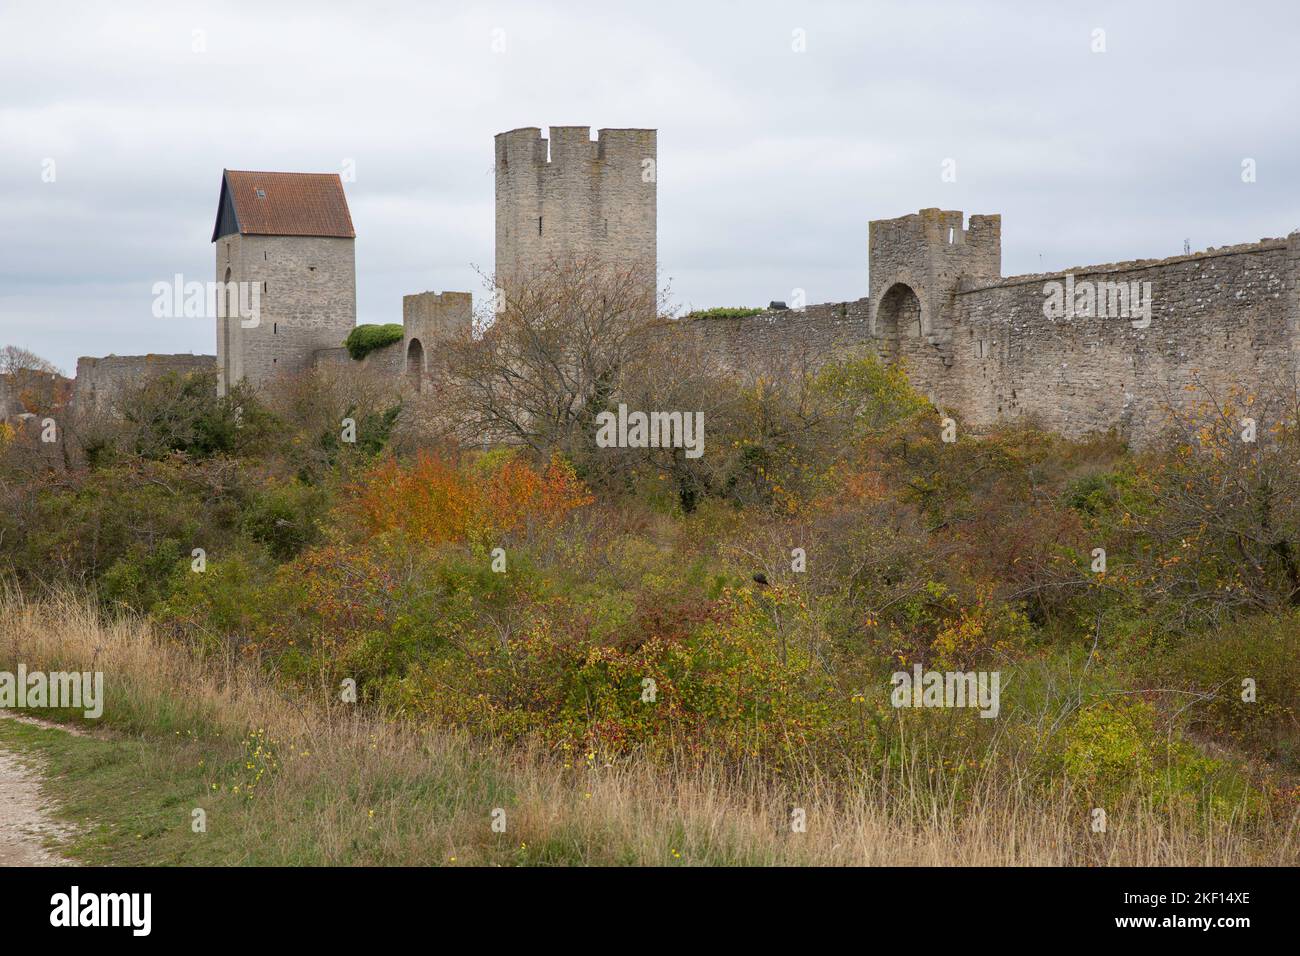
pixel 575 197
pixel 916 264
pixel 290 235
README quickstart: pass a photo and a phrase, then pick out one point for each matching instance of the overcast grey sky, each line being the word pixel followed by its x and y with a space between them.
pixel 771 161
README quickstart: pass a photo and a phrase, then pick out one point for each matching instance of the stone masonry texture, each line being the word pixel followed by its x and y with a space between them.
pixel 308 303
pixel 575 197
pixel 100 382
pixel 981 345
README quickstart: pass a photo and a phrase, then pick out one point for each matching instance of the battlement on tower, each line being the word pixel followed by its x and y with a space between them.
pixel 573 197
pixel 936 241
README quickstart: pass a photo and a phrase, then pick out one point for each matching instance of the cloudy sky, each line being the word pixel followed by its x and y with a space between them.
pixel 771 160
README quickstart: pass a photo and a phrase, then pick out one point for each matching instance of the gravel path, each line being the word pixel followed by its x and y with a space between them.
pixel 24 821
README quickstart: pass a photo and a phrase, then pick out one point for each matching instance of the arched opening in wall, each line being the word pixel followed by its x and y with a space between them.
pixel 897 317
pixel 415 364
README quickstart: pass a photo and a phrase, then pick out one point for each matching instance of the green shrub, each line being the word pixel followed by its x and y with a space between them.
pixel 287 517
pixel 142 575
pixel 128 530
pixel 228 604
pixel 181 414
pixel 724 312
pixel 1267 651
pixel 364 339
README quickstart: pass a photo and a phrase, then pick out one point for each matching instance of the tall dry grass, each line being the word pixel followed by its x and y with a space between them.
pixel 350 788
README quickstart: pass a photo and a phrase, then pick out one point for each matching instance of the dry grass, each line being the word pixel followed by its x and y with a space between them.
pixel 347 788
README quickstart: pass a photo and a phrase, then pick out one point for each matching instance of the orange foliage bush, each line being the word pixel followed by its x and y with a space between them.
pixel 436 500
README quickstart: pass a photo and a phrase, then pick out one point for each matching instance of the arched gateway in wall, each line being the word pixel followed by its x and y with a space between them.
pixel 415 364
pixel 898 317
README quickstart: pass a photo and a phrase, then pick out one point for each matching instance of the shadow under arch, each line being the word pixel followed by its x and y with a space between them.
pixel 897 315
pixel 415 364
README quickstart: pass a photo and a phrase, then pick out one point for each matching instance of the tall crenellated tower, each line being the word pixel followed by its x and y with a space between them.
pixel 572 196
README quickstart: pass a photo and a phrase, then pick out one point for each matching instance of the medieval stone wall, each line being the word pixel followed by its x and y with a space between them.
pixel 983 347
pixel 1220 318
pixel 385 362
pixel 429 318
pixel 776 336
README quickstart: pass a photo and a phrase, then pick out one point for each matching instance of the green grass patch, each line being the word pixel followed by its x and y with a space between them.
pixel 130 800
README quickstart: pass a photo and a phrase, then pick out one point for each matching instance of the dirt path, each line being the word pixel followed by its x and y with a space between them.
pixel 25 823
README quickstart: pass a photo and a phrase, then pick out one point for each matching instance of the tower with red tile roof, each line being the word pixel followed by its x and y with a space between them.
pixel 285 260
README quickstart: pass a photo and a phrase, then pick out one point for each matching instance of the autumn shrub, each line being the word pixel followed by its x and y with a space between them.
pixel 334 422
pixel 435 500
pixel 286 516
pixel 1121 745
pixel 1213 518
pixel 400 568
pixel 697 677
pixel 226 607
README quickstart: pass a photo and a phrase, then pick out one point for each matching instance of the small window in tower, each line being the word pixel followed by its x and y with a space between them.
pixel 275 328
pixel 264 256
pixel 539 225
pixel 606 228
pixel 263 287
pixel 950 235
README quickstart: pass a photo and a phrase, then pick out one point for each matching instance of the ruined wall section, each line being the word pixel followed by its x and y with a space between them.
pixel 808 337
pixel 429 319
pixel 101 382
pixel 384 362
pixel 28 391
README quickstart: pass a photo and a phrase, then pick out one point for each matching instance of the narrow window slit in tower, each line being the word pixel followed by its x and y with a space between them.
pixel 539 225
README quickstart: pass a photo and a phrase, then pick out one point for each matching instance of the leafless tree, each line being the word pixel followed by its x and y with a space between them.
pixel 551 357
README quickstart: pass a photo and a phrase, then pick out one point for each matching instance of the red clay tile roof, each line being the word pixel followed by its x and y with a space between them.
pixel 286 204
